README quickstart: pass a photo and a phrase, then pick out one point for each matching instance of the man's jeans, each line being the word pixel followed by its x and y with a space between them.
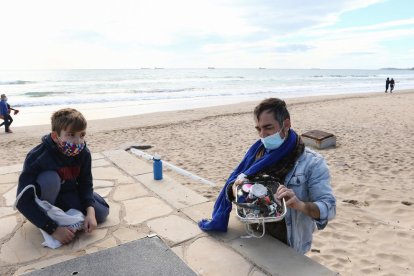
pixel 7 120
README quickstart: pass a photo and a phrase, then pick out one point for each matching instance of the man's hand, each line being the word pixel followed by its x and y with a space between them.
pixel 309 208
pixel 64 234
pixel 289 195
pixel 90 220
pixel 16 111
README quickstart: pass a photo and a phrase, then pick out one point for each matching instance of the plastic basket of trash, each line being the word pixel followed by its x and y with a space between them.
pixel 256 204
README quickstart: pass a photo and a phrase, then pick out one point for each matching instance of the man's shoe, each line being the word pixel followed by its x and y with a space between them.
pixel 9 131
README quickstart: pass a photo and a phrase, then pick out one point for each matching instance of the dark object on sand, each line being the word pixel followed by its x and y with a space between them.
pixel 141 147
pixel 319 139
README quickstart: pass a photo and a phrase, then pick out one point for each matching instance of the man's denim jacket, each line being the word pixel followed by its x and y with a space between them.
pixel 310 180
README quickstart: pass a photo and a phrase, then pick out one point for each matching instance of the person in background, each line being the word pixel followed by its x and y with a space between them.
pixel 303 174
pixel 392 84
pixel 387 84
pixel 5 110
pixel 60 168
pixel 8 116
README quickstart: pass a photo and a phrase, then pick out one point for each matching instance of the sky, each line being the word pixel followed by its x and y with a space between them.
pixel 90 34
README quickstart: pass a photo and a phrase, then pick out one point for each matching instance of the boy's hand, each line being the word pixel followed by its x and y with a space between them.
pixel 64 234
pixel 90 220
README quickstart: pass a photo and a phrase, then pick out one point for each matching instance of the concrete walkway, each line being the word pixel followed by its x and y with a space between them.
pixel 142 207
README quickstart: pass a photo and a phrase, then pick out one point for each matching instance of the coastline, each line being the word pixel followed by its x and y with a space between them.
pixel 40 115
pixel 371 167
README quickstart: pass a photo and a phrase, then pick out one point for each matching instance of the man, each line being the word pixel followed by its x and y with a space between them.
pixel 5 113
pixel 387 84
pixel 302 172
pixel 392 84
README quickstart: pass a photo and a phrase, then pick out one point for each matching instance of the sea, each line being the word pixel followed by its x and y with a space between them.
pixel 109 93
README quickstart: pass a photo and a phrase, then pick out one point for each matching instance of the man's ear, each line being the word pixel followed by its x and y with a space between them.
pixel 287 125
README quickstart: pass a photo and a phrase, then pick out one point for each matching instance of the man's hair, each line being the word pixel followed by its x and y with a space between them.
pixel 68 119
pixel 3 96
pixel 274 105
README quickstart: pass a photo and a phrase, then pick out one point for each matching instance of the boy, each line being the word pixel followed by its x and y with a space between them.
pixel 60 169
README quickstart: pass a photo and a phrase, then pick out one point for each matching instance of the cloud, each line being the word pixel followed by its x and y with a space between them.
pixel 293 48
pixel 186 33
pixel 359 53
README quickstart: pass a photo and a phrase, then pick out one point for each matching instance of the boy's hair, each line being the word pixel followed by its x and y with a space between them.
pixel 68 119
pixel 274 105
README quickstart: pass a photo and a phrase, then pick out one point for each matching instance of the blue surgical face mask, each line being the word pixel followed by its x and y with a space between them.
pixel 273 141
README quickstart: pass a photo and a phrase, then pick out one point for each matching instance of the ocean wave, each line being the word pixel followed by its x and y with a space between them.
pixel 133 91
pixel 45 94
pixel 15 82
pixel 353 76
pixel 161 90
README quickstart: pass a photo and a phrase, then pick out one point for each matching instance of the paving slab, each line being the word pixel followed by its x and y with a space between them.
pixel 128 162
pixel 96 156
pixel 179 251
pixel 11 169
pixel 104 244
pixel 277 258
pixel 9 178
pixel 5 187
pixel 171 191
pixel 204 210
pixel 129 191
pixel 6 211
pixel 141 209
pixel 100 163
pixel 107 173
pixel 113 217
pixel 24 246
pixel 126 234
pixel 10 196
pixel 103 192
pixel 174 228
pixel 7 226
pixel 86 239
pixel 148 256
pixel 257 272
pixel 206 256
pixel 97 183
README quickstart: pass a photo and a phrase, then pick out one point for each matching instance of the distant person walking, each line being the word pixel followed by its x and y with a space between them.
pixel 392 84
pixel 387 84
pixel 5 110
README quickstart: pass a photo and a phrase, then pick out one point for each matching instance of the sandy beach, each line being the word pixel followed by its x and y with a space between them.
pixel 371 167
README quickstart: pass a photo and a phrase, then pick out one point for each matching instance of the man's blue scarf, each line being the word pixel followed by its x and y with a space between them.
pixel 249 166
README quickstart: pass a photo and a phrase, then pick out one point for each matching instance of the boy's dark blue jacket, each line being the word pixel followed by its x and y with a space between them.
pixel 47 157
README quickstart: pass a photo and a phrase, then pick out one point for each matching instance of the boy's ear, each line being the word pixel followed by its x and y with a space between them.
pixel 54 136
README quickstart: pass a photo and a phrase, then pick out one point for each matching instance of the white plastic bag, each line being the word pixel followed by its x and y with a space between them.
pixel 72 218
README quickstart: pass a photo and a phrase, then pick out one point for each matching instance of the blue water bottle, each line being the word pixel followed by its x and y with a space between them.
pixel 157 167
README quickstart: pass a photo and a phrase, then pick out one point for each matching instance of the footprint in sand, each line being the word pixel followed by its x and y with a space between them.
pixel 392 257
